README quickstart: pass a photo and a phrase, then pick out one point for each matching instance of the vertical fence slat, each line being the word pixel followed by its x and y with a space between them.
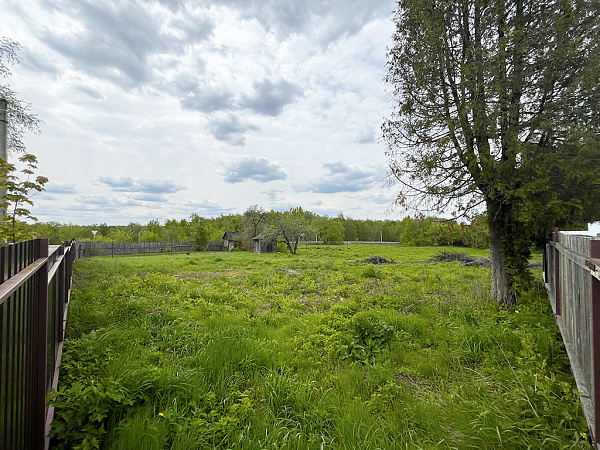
pixel 18 365
pixel 595 253
pixel 30 374
pixel 4 333
pixel 41 329
pixel 557 263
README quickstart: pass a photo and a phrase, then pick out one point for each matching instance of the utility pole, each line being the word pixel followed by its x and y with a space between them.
pixel 3 140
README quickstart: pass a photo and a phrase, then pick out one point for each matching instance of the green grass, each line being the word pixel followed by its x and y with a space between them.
pixel 317 350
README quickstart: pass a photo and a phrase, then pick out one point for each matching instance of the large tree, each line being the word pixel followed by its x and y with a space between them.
pixel 496 108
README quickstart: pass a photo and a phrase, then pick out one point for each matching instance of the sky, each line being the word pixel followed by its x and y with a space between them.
pixel 160 109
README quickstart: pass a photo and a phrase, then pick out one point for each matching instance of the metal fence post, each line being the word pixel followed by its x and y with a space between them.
pixel 41 348
pixel 595 254
pixel 557 296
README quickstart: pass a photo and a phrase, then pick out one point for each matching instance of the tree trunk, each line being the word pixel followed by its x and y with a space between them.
pixel 503 289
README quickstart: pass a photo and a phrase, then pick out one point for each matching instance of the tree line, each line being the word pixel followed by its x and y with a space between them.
pixel 288 227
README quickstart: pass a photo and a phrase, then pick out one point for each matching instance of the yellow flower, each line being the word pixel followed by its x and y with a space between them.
pixel 583 435
pixel 161 415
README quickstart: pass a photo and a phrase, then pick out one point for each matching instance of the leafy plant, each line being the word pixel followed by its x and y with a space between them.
pixel 366 341
pixel 17 194
pixel 83 412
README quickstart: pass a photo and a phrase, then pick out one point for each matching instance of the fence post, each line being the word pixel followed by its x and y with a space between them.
pixel 41 350
pixel 595 254
pixel 557 296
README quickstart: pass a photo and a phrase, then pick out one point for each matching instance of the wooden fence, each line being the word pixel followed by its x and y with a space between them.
pixel 35 285
pixel 572 278
pixel 85 249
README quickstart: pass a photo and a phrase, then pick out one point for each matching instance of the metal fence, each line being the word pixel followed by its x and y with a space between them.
pixel 572 278
pixel 35 284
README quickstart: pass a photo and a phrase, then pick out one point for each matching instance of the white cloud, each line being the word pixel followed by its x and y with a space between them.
pixel 56 187
pixel 252 168
pixel 127 184
pixel 342 177
pixel 230 129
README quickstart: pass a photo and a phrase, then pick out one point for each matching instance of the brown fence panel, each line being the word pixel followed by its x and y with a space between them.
pixel 86 248
pixel 34 294
pixel 572 280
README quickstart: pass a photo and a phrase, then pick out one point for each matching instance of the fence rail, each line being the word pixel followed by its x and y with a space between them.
pixel 572 278
pixel 35 285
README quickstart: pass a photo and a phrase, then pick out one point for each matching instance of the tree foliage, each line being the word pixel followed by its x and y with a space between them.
pixel 20 119
pixel 16 198
pixel 497 108
pixel 329 231
pixel 253 221
pixel 290 226
pixel 420 231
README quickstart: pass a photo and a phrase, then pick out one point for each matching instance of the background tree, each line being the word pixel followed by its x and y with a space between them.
pixel 117 234
pixel 497 107
pixel 329 231
pixel 253 221
pixel 290 226
pixel 152 232
pixel 203 231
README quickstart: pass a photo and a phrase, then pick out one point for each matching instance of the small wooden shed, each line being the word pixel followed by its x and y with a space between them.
pixel 264 244
pixel 231 239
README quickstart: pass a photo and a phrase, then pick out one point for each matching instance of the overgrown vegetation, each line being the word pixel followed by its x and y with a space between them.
pixel 319 350
pixel 409 231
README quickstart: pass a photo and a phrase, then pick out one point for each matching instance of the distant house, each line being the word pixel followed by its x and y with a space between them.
pixel 231 239
pixel 264 244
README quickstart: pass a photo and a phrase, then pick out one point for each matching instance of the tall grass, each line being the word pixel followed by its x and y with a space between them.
pixel 236 350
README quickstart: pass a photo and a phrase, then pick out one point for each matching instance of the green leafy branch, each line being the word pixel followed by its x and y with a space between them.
pixel 16 197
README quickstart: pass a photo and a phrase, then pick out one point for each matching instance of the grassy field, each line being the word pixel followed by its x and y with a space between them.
pixel 317 350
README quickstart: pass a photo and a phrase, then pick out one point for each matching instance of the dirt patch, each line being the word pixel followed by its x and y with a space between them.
pixel 378 260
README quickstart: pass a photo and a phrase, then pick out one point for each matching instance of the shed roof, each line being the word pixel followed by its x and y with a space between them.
pixel 230 235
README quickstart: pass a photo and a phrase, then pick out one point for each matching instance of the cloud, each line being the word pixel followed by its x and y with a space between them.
pixel 91 92
pixel 366 137
pixel 113 203
pixel 208 101
pixel 94 199
pixel 336 18
pixel 149 197
pixel 230 129
pixel 115 40
pixel 56 187
pixel 269 99
pixel 204 208
pixel 341 177
pixel 39 61
pixel 127 184
pixel 275 196
pixel 253 168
